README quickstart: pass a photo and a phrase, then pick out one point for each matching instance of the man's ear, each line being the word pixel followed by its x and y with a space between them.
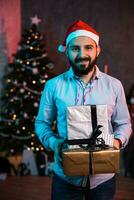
pixel 98 50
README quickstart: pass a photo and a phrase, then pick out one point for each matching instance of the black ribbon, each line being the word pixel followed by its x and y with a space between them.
pixel 94 117
pixel 93 143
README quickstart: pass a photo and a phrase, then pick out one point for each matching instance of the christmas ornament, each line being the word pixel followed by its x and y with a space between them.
pixel 22 90
pixel 35 71
pixel 25 115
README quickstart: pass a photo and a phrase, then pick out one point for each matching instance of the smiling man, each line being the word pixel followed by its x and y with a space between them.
pixel 82 54
pixel 82 84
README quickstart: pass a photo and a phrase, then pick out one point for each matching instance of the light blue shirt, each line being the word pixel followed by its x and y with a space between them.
pixel 68 90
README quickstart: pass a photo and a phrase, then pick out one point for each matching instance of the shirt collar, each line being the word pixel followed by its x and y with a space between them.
pixel 98 72
pixel 70 74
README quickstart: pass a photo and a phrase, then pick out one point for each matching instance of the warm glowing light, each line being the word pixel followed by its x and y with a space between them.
pixel 11 90
pixel 46 75
pixel 32 143
pixel 28 62
pixel 23 128
pixel 43 81
pixel 12 150
pixel 37 149
pixel 14 116
pixel 8 80
pixel 36 37
pixel 20 61
pixel 31 48
pixel 33 135
pixel 33 81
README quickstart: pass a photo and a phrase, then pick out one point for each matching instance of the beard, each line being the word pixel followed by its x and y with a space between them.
pixel 80 69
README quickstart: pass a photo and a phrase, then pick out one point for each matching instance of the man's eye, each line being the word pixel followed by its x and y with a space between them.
pixel 89 47
pixel 74 48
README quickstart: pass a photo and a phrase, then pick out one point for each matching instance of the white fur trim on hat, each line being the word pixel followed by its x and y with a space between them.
pixel 82 33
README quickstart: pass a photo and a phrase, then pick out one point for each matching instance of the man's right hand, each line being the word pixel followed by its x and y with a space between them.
pixel 57 149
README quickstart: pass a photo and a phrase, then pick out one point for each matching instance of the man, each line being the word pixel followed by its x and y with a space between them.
pixel 82 84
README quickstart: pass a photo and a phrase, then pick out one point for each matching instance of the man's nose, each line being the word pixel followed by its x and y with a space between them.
pixel 81 53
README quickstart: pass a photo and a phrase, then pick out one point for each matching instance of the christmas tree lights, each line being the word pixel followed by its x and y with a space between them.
pixel 23 85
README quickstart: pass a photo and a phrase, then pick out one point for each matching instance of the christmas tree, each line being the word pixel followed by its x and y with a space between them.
pixel 23 85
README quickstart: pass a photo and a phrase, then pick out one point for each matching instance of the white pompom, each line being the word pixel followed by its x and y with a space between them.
pixel 61 48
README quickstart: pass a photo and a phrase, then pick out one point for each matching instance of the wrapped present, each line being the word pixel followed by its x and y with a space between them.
pixel 82 120
pixel 80 162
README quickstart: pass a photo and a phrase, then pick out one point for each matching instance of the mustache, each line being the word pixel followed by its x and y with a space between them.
pixel 82 59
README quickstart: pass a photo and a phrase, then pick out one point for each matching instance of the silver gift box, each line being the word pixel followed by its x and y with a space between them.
pixel 79 123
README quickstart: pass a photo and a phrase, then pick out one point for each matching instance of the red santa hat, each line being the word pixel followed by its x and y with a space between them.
pixel 79 28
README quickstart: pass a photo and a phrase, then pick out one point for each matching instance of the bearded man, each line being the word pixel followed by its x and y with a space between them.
pixel 83 84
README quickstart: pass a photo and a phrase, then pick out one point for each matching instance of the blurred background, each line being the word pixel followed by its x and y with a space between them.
pixel 30 32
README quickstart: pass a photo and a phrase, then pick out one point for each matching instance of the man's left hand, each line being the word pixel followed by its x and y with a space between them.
pixel 117 143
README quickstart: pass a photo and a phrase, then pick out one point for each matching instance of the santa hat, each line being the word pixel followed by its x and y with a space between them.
pixel 79 28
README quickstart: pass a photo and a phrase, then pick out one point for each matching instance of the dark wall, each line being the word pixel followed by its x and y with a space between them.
pixel 113 19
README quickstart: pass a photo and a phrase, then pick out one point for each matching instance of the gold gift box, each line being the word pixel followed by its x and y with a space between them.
pixel 79 162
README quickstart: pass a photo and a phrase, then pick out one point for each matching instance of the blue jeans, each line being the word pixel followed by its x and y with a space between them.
pixel 61 190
